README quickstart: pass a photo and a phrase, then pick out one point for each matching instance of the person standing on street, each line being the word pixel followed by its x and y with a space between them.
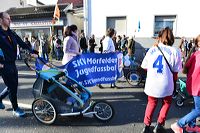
pixel 44 45
pixel 58 47
pixel 159 82
pixel 192 69
pixel 101 44
pixel 131 47
pixel 92 44
pixel 9 40
pixel 35 44
pixel 83 43
pixel 70 46
pixel 109 46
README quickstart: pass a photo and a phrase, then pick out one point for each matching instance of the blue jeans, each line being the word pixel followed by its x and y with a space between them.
pixel 58 53
pixel 190 118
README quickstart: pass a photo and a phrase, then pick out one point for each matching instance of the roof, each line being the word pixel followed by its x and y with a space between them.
pixel 45 11
pixel 39 2
pixel 76 3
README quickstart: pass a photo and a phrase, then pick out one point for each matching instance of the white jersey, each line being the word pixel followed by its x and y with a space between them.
pixel 108 45
pixel 159 82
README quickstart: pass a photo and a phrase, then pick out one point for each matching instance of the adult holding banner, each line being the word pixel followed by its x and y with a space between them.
pixel 108 46
pixel 70 46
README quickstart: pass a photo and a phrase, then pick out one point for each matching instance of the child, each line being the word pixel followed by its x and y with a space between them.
pixel 159 82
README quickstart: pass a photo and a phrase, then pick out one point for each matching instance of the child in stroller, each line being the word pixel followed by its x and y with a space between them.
pixel 56 93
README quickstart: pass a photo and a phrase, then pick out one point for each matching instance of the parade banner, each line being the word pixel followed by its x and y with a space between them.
pixel 92 68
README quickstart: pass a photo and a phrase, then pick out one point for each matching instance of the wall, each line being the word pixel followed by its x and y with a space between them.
pixel 144 11
pixel 72 19
pixel 16 4
pixel 9 4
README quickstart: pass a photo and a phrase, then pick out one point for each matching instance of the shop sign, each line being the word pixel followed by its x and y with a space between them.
pixel 35 23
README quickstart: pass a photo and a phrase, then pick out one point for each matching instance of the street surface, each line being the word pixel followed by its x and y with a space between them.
pixel 129 104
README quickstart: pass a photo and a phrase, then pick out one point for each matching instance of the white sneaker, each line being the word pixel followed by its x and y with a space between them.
pixel 18 112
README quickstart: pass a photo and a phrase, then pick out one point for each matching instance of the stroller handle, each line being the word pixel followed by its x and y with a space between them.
pixel 26 61
pixel 29 66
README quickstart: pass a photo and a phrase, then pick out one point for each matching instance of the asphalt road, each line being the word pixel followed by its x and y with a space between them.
pixel 129 104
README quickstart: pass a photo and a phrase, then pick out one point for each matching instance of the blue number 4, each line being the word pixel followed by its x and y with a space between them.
pixel 158 64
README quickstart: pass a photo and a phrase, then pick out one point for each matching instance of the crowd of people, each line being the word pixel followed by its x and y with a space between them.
pixel 162 62
pixel 56 48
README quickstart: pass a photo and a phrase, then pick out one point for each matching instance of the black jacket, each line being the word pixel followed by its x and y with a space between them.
pixel 8 43
pixel 83 43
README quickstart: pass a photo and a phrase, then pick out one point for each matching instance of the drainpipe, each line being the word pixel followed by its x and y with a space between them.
pixel 86 17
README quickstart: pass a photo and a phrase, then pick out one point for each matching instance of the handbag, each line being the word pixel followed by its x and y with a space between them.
pixel 174 92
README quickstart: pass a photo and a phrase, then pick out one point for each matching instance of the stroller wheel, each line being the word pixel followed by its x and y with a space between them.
pixel 179 103
pixel 104 111
pixel 133 78
pixel 44 111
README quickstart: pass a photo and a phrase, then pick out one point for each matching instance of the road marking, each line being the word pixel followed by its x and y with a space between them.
pixel 26 73
pixel 22 105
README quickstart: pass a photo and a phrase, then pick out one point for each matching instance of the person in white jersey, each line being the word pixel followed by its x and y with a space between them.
pixel 108 47
pixel 159 82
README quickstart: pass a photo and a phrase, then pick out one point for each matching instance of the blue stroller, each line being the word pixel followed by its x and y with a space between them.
pixel 56 94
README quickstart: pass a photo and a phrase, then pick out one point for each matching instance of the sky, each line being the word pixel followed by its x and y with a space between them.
pixel 49 2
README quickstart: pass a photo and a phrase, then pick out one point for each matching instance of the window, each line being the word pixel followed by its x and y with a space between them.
pixel 164 21
pixel 118 23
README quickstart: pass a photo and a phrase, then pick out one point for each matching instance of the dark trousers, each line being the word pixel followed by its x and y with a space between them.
pixel 58 53
pixel 10 78
pixel 84 50
pixel 45 55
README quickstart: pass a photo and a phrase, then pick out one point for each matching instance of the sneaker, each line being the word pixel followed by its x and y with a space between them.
pixel 195 129
pixel 159 128
pixel 18 112
pixel 2 106
pixel 176 128
pixel 146 129
pixel 113 86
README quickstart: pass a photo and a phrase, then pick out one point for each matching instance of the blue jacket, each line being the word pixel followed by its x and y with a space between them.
pixel 8 44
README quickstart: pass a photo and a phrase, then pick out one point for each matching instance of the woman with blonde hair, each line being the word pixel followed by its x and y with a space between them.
pixel 159 82
pixel 70 46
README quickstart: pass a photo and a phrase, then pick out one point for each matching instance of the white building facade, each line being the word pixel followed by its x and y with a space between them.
pixel 142 18
pixel 7 4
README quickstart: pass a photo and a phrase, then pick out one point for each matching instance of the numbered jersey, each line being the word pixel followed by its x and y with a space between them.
pixel 159 82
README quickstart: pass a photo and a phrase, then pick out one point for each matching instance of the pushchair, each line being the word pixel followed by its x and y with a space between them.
pixel 134 74
pixel 181 94
pixel 56 94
